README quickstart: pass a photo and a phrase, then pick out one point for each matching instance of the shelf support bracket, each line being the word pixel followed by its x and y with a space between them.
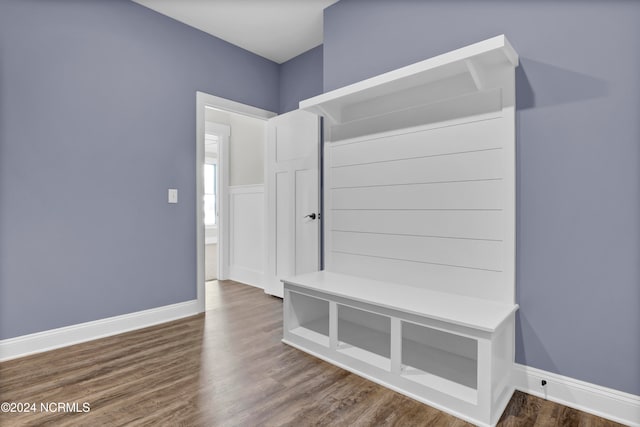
pixel 333 117
pixel 476 74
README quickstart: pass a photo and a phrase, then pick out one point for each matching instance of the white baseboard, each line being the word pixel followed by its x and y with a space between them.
pixel 25 345
pixel 247 276
pixel 601 401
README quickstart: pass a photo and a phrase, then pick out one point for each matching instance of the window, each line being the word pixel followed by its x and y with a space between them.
pixel 210 194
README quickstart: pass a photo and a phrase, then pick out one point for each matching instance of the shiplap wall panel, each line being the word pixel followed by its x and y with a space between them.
pixel 424 206
pixel 470 136
pixel 453 252
pixel 464 166
pixel 463 281
pixel 487 194
pixel 488 225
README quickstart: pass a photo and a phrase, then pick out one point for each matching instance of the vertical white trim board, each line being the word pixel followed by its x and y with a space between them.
pixel 597 400
pixel 222 180
pixel 39 342
pixel 247 234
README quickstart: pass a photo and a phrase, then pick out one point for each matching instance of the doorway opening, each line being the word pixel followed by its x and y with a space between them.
pixel 214 137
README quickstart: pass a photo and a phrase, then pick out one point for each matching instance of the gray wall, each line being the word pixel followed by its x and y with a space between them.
pixel 300 78
pixel 578 161
pixel 97 120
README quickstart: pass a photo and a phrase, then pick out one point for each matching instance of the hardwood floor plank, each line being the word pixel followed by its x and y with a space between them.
pixel 227 367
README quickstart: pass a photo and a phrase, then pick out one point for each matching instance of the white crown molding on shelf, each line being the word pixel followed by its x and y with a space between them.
pixel 472 60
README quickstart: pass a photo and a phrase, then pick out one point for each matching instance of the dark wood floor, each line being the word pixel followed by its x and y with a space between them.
pixel 225 368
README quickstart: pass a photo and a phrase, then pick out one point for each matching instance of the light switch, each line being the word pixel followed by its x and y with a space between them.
pixel 173 195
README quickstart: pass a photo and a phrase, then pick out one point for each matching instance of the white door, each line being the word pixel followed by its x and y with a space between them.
pixel 293 213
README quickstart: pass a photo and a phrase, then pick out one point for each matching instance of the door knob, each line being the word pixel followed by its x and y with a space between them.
pixel 312 216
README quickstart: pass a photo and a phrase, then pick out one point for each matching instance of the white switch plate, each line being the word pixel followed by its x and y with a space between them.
pixel 173 195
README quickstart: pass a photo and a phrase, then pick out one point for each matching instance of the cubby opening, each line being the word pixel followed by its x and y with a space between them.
pixel 441 360
pixel 365 336
pixel 310 318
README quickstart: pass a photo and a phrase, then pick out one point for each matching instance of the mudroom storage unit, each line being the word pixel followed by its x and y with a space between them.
pixel 418 291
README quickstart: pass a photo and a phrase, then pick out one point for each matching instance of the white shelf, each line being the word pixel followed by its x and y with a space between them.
pixel 368 357
pixel 461 310
pixel 439 369
pixel 310 319
pixel 452 74
pixel 366 344
pixel 443 385
pixel 319 326
pixel 314 331
pixel 442 354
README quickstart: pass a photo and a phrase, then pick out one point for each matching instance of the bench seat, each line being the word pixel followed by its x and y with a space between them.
pixel 450 351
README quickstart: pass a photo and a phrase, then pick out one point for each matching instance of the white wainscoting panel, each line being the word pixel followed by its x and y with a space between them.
pixel 246 234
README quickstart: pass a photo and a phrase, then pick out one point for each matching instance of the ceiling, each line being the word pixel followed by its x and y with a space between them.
pixel 275 29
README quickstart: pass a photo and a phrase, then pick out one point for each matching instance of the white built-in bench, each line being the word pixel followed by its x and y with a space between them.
pixel 450 351
pixel 418 292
